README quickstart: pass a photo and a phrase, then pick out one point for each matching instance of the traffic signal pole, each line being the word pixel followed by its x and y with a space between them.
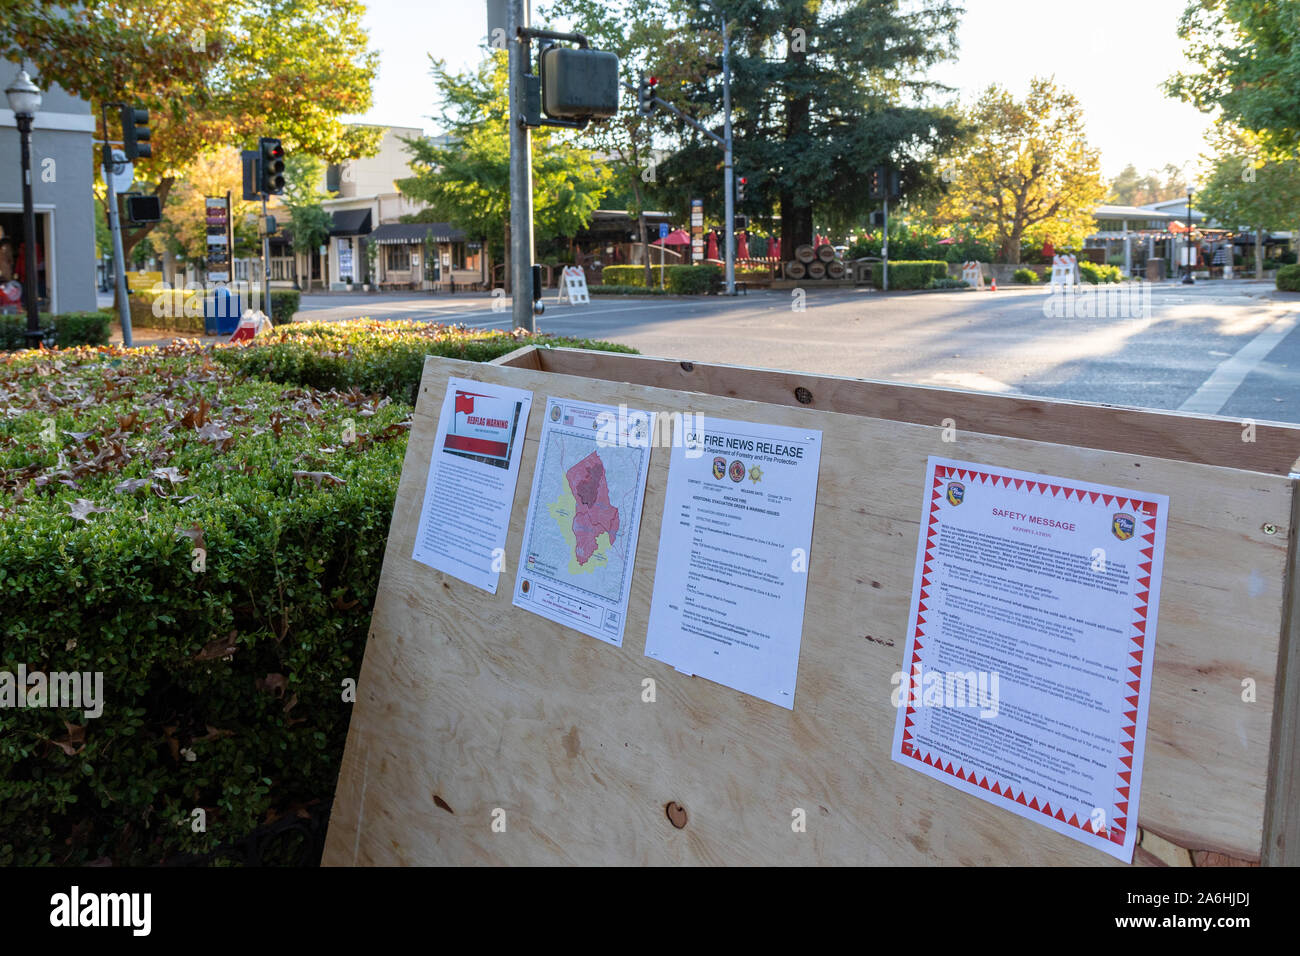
pixel 521 173
pixel 115 227
pixel 266 260
pixel 729 180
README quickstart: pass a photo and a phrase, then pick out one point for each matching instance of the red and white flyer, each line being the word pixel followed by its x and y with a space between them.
pixel 1030 641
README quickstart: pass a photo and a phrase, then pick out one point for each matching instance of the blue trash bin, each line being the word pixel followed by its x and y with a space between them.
pixel 221 312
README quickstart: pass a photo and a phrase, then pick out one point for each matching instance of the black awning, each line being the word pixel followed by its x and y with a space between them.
pixel 351 222
pixel 414 233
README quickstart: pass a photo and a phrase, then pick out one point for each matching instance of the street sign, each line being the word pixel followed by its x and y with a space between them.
pixel 663 230
pixel 123 173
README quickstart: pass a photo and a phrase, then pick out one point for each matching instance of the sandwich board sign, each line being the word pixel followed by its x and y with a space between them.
pixel 1065 271
pixel 573 286
pixel 973 275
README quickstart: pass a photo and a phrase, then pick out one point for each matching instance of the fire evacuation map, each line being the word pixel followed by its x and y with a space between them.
pixel 581 532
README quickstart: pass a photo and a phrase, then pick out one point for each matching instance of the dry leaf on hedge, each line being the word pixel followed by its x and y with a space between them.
pixel 320 476
pixel 219 648
pixel 82 508
pixel 130 486
pixel 214 433
pixel 194 533
pixel 272 684
pixel 75 742
pixel 168 474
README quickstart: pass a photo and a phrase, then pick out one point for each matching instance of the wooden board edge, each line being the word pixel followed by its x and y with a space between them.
pixel 1281 841
pixel 578 362
pixel 523 357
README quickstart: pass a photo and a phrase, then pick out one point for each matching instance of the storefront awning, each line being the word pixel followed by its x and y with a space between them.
pixel 350 222
pixel 414 233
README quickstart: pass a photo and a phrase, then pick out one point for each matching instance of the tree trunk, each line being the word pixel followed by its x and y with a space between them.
pixel 796 213
pixel 1259 253
pixel 1010 253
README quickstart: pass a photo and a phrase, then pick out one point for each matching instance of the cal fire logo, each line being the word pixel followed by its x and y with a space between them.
pixel 719 468
pixel 1121 525
pixel 956 492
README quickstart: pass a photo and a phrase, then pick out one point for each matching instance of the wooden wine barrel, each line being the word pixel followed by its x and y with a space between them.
pixel 835 270
pixel 805 253
pixel 826 252
pixel 817 270
pixel 794 269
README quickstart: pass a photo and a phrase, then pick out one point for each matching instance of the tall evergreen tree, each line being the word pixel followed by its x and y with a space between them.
pixel 822 91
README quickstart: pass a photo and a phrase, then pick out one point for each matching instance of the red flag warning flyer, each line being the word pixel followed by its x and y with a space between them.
pixel 1031 635
pixel 584 515
pixel 470 489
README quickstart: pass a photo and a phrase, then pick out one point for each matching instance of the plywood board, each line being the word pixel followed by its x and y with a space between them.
pixel 467 705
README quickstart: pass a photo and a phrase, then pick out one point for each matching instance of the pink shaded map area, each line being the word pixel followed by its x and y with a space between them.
pixel 593 514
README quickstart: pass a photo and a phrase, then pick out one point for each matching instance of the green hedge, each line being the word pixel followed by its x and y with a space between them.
pixel 909 275
pixel 1025 277
pixel 70 329
pixel 1095 274
pixel 625 290
pixel 1288 278
pixel 222 684
pixel 383 357
pixel 678 280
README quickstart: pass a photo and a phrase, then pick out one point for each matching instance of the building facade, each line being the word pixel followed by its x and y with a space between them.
pixel 62 194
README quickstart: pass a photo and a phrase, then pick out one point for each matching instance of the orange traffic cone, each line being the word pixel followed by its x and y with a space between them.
pixel 994 286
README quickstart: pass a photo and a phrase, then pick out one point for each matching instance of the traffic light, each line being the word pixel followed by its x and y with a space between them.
pixel 645 102
pixel 877 183
pixel 740 189
pixel 271 166
pixel 135 133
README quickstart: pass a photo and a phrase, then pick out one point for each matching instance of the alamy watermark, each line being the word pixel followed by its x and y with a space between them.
pixel 1126 300
pixel 637 429
pixel 950 689
pixel 75 690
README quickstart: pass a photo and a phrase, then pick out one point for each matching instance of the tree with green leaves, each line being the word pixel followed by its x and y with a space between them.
pixel 1246 189
pixel 821 93
pixel 309 223
pixel 1130 188
pixel 1026 172
pixel 644 40
pixel 213 72
pixel 467 181
pixel 1248 68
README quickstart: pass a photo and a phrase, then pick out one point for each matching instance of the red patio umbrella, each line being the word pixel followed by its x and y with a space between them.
pixel 677 237
pixel 711 252
pixel 742 247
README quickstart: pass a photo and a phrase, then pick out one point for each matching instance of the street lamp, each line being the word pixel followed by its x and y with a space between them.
pixel 25 99
pixel 1187 276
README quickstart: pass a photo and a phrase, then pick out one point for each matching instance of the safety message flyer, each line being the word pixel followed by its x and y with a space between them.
pixel 584 514
pixel 470 490
pixel 1032 630
pixel 732 576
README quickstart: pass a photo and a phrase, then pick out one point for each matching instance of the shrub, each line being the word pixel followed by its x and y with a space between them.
pixel 1288 278
pixel 70 329
pixel 625 290
pixel 1093 273
pixel 284 305
pixel 947 282
pixel 909 275
pixel 383 357
pixel 1025 277
pixel 222 680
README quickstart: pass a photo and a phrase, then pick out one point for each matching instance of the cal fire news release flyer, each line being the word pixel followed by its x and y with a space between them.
pixel 471 485
pixel 732 575
pixel 1032 629
pixel 584 515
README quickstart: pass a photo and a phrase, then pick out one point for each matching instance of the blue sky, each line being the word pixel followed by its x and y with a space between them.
pixel 1112 54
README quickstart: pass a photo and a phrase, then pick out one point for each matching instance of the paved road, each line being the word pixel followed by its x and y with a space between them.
pixel 1229 348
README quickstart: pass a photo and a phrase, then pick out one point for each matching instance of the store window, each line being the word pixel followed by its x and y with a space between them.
pixel 399 259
